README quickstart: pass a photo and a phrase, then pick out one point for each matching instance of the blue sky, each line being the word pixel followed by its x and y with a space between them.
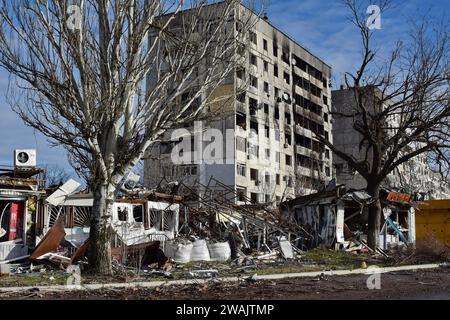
pixel 322 26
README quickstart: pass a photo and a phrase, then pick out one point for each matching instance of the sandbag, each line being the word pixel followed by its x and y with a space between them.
pixel 179 251
pixel 219 251
pixel 200 251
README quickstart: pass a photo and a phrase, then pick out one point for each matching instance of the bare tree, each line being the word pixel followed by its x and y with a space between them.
pixel 81 68
pixel 400 108
pixel 55 175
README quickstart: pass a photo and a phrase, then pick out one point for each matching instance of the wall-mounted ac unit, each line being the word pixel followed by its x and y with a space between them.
pixel 24 158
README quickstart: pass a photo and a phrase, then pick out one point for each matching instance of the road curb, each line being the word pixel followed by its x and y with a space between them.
pixel 154 284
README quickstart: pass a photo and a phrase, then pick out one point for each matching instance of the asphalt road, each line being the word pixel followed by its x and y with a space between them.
pixel 421 284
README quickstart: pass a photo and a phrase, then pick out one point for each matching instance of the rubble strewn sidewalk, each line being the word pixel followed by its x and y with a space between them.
pixel 346 282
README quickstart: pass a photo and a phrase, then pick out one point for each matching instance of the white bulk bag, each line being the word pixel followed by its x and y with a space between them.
pixel 179 252
pixel 219 251
pixel 200 251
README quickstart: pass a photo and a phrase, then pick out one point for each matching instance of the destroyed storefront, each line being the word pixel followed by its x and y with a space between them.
pixel 336 219
pixel 137 222
pixel 18 197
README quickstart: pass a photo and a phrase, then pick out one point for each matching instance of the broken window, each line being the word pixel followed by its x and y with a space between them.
pixel 254 126
pixel 277 92
pixel 241 170
pixel 287 116
pixel 253 59
pixel 254 197
pixel 266 108
pixel 187 170
pixel 288 138
pixel 12 217
pixel 265 44
pixel 266 66
pixel 277 179
pixel 242 194
pixel 275 70
pixel 253 106
pixel 254 174
pixel 275 49
pixel 328 171
pixel 267 178
pixel 253 37
pixel 267 198
pixel 266 131
pixel 288 160
pixel 240 73
pixel 241 120
pixel 285 56
pixel 266 87
pixel 241 97
pixel 325 117
pixel 254 81
pixel 268 154
pixel 287 77
pixel 277 113
pixel 122 213
pixel 138 213
pixel 156 219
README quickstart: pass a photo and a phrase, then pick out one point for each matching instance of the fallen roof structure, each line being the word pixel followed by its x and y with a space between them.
pixel 339 218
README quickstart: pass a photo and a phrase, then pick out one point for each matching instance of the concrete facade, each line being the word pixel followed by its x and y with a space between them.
pixel 285 101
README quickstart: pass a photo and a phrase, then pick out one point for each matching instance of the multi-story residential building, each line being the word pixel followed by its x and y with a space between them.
pixel 414 176
pixel 282 101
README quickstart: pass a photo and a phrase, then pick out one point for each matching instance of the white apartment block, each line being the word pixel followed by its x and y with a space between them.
pixel 285 102
pixel 414 176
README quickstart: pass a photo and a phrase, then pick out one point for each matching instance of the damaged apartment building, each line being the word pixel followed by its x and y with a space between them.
pixel 282 100
pixel 414 177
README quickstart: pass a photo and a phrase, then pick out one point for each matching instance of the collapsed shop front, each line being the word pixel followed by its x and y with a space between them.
pixel 338 219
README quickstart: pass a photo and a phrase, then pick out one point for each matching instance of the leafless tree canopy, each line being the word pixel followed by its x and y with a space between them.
pixel 401 106
pixel 84 80
pixel 55 175
pixel 81 68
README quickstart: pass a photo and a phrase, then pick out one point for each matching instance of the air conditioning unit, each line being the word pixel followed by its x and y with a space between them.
pixel 24 158
pixel 286 146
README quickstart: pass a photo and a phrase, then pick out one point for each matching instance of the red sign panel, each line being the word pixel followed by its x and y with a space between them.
pixel 16 220
pixel 399 197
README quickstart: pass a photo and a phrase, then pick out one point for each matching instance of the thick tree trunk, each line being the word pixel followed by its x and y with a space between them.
pixel 374 216
pixel 101 231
